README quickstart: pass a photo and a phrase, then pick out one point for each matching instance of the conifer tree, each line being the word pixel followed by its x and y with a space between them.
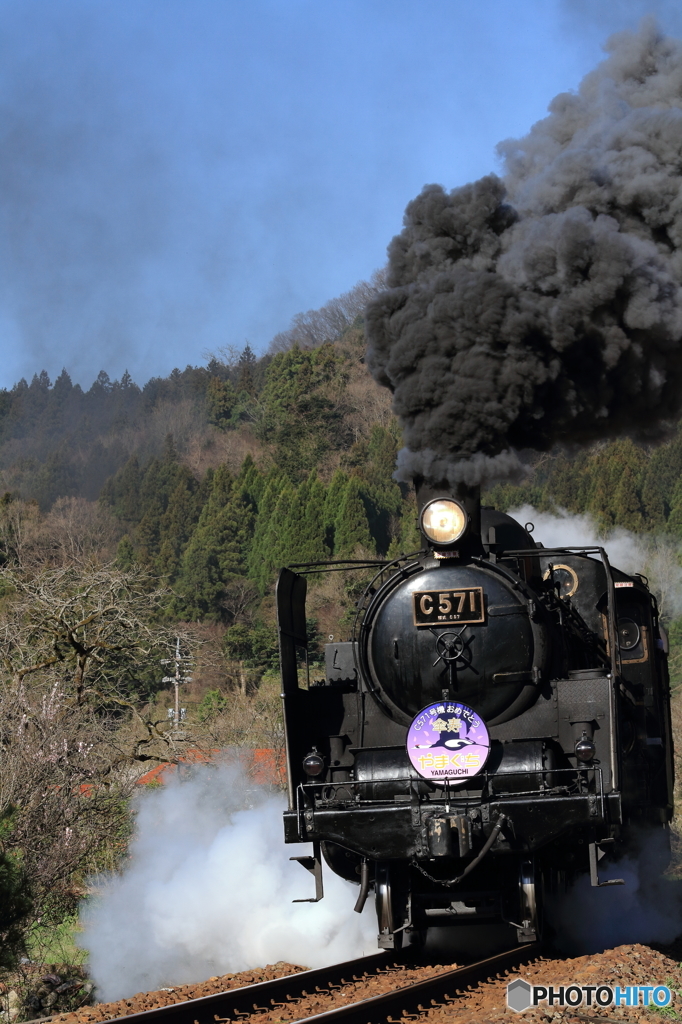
pixel 563 483
pixel 300 419
pixel 259 554
pixel 57 476
pixel 674 523
pixel 148 535
pixel 204 489
pixel 278 542
pixel 177 524
pixel 381 494
pixel 304 526
pixel 125 554
pixel 101 386
pixel 63 387
pixel 216 554
pixel 245 370
pixel 382 450
pixel 352 529
pixel 599 504
pixel 122 492
pixel 221 398
pixel 626 503
pixel 663 470
pixel 332 505
pixel 170 453
pixel 654 504
pixel 407 536
pixel 313 544
pixel 249 478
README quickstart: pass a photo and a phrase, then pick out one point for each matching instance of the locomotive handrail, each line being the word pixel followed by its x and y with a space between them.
pixel 307 789
pixel 614 649
pixel 309 568
pixel 615 667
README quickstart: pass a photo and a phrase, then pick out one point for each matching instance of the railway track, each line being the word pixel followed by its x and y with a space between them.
pixel 402 994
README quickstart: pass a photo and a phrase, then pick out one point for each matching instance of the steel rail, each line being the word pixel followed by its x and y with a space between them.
pixel 260 997
pixel 255 998
pixel 409 999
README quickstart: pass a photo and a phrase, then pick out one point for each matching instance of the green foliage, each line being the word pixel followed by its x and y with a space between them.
pixel 301 420
pixel 212 703
pixel 620 483
pixel 177 523
pixel 407 536
pixel 8 822
pixel 121 492
pixel 373 462
pixel 217 551
pixel 275 544
pixel 15 896
pixel 246 372
pixel 256 645
pixel 351 531
pixel 626 504
pixel 125 554
pixel 304 528
pixel 260 557
pixel 332 505
pixel 221 399
pixel 56 941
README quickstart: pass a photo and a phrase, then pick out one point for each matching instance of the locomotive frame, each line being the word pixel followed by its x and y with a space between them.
pixel 565 660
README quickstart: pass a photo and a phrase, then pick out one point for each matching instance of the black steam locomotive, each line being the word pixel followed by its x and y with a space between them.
pixel 498 723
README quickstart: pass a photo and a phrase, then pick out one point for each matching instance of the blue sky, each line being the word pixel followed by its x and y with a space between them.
pixel 181 175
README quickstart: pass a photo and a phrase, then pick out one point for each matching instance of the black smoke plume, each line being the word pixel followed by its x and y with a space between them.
pixel 546 306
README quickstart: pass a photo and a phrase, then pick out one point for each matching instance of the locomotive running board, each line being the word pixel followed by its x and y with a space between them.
pixel 596 855
pixel 314 866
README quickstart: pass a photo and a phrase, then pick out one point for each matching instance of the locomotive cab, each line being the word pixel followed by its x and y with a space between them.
pixel 494 725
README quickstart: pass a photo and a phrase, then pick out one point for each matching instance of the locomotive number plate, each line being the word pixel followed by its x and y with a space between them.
pixel 440 607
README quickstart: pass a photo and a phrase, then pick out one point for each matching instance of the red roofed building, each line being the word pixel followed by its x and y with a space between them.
pixel 264 766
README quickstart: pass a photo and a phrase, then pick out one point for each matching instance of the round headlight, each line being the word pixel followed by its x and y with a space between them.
pixel 585 748
pixel 313 764
pixel 444 521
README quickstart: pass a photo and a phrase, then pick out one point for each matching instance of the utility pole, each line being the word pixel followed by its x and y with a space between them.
pixel 176 679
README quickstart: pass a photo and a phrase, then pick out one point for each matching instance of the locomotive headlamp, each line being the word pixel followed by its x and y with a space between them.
pixel 585 748
pixel 313 764
pixel 444 521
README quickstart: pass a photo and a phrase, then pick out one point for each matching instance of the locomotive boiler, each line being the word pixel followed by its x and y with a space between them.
pixel 497 723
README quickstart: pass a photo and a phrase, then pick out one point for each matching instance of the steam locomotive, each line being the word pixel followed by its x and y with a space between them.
pixel 497 724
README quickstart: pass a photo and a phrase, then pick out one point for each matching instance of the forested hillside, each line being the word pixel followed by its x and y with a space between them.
pixel 212 478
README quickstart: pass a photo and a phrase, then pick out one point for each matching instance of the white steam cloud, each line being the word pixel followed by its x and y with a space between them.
pixel 656 556
pixel 207 890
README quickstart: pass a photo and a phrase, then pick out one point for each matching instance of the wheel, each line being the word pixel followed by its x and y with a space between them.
pixel 529 927
pixel 391 905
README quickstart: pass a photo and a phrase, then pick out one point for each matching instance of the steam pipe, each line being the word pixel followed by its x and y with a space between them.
pixel 364 887
pixel 497 828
